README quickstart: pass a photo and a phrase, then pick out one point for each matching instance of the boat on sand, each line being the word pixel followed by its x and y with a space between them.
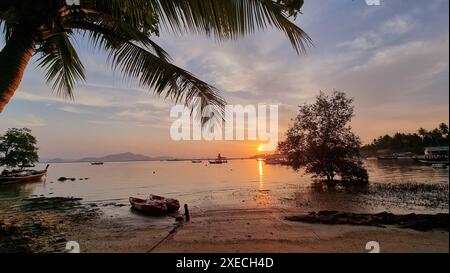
pixel 172 204
pixel 155 205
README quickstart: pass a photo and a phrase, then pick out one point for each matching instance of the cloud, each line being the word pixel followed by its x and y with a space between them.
pixel 135 114
pixel 398 25
pixel 395 26
pixel 364 42
pixel 73 110
pixel 28 121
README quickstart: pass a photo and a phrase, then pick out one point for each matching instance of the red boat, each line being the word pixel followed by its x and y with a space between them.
pixel 22 176
pixel 148 206
pixel 172 204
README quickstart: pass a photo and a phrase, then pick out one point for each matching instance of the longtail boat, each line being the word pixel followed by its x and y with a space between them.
pixel 155 205
pixel 23 176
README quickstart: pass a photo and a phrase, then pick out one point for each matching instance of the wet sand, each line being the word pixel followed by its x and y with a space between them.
pixel 265 230
pixel 46 225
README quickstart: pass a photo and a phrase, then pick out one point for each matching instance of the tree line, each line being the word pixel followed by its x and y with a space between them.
pixel 408 142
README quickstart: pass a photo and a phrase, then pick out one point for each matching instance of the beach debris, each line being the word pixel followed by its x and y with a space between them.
pixel 420 222
pixel 112 204
pixel 62 179
pixel 38 224
pixel 186 213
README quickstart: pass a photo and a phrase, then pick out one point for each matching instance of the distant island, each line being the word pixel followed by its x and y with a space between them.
pixel 109 158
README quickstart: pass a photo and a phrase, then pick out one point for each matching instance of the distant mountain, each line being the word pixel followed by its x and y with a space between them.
pixel 53 160
pixel 117 157
pixel 111 158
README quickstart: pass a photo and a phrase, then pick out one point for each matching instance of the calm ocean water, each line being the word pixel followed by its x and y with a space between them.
pixel 240 183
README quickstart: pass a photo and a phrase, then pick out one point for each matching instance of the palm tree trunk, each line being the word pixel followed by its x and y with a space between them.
pixel 14 59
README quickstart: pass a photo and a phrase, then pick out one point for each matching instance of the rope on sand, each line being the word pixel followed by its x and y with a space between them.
pixel 174 229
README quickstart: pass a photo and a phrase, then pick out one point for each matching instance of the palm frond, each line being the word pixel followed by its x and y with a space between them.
pixel 7 22
pixel 165 78
pixel 137 13
pixel 221 19
pixel 228 19
pixel 63 66
pixel 151 69
pixel 99 25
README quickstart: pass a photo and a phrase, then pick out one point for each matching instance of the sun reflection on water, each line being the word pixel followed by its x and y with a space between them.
pixel 261 174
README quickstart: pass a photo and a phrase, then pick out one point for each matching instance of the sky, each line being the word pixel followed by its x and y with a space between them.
pixel 392 59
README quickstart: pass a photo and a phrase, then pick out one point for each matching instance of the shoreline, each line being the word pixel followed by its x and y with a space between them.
pixel 43 227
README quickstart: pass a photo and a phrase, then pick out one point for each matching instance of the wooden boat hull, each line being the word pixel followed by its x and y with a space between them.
pixel 151 208
pixel 387 158
pixel 20 179
pixel 433 162
pixel 171 204
pixel 216 162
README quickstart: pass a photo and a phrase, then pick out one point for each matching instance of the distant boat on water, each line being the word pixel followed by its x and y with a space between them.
pixel 387 157
pixel 196 161
pixel 434 156
pixel 97 163
pixel 273 161
pixel 219 160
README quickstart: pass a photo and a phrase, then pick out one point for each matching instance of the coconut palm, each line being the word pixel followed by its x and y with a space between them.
pixel 124 29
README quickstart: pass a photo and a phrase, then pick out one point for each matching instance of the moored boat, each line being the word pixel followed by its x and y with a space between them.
pixel 219 160
pixel 434 155
pixel 148 206
pixel 22 176
pixel 97 163
pixel 440 166
pixel 273 161
pixel 155 205
pixel 387 157
pixel 429 161
pixel 172 204
pixel 196 161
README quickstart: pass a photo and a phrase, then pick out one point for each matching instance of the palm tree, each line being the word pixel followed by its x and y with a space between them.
pixel 123 28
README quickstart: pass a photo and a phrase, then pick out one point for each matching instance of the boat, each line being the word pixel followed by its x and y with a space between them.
pixel 387 157
pixel 434 161
pixel 273 161
pixel 148 206
pixel 219 160
pixel 97 163
pixel 155 204
pixel 22 176
pixel 434 155
pixel 439 166
pixel 172 204
pixel 196 161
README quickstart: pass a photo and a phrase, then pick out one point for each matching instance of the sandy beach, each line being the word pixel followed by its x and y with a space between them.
pixel 229 231
pixel 265 230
